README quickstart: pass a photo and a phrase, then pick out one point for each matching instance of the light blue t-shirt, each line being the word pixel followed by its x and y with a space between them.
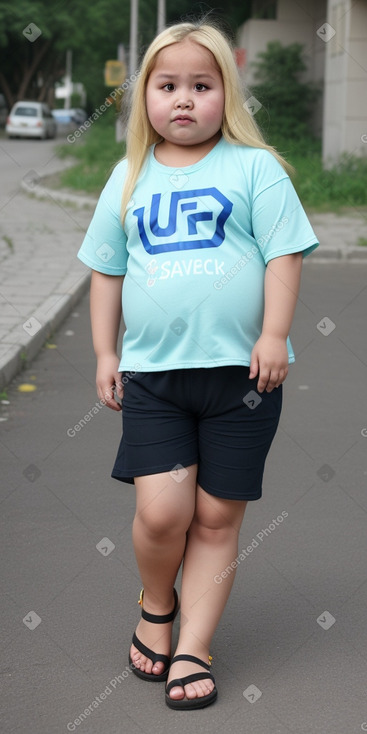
pixel 194 249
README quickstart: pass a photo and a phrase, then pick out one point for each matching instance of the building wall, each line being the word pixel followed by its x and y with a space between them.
pixel 295 22
pixel 345 99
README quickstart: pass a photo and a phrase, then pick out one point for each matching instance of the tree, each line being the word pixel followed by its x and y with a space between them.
pixel 35 35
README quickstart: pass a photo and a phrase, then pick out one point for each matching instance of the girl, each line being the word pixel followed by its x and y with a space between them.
pixel 201 225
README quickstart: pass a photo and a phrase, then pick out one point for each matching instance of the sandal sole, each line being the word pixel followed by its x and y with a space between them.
pixel 185 704
pixel 148 676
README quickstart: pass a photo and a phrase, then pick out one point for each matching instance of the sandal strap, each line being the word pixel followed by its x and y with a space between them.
pixel 188 679
pixel 191 659
pixel 159 618
pixel 154 656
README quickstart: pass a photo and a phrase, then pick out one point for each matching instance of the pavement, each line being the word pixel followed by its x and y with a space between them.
pixel 290 652
pixel 41 279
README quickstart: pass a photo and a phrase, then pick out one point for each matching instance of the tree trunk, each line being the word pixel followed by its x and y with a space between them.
pixel 7 91
pixel 31 70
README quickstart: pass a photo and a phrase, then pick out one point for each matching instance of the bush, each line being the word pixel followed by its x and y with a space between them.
pixel 287 102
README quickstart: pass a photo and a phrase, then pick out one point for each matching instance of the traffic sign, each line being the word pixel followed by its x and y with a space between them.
pixel 114 73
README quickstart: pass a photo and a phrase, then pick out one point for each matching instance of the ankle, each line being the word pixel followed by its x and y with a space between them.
pixel 157 604
pixel 195 649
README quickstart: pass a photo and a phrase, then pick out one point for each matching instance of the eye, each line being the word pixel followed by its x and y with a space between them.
pixel 169 87
pixel 199 87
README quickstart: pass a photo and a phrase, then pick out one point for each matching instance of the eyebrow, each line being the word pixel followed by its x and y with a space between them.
pixel 199 75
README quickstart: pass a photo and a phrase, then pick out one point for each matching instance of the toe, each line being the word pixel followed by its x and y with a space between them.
pixel 158 668
pixel 198 689
pixel 145 664
pixel 177 693
pixel 190 691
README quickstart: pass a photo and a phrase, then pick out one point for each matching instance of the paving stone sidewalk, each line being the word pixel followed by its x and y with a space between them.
pixel 41 279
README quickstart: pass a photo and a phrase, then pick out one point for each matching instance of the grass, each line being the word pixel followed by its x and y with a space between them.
pixel 9 242
pixel 319 190
pixel 96 152
pixel 342 186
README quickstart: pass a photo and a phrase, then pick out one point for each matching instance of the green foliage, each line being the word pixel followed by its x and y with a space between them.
pixel 344 185
pixel 92 30
pixel 287 101
pixel 96 152
pixel 9 241
pixel 229 14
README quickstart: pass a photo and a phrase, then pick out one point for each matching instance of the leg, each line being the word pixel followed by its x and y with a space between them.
pixel 164 512
pixel 212 545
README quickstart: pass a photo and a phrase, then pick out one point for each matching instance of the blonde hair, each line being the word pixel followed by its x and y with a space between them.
pixel 238 126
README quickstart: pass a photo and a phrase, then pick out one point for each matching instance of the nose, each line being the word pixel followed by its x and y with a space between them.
pixel 183 103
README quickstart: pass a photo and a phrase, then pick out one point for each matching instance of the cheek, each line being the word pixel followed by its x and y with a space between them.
pixel 215 110
pixel 154 108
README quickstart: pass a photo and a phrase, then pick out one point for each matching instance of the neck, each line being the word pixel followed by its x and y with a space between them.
pixel 171 155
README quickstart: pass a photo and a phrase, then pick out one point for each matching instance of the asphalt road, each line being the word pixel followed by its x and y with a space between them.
pixel 18 157
pixel 290 653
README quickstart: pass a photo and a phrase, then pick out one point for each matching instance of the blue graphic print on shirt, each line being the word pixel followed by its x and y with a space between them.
pixel 179 210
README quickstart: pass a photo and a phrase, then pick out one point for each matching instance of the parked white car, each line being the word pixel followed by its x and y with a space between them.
pixel 30 120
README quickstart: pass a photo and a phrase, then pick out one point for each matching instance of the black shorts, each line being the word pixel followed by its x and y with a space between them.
pixel 211 417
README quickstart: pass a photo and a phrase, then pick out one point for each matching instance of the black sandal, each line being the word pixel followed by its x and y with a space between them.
pixel 192 703
pixel 155 657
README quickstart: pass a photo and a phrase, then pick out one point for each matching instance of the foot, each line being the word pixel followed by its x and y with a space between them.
pixel 155 636
pixel 196 689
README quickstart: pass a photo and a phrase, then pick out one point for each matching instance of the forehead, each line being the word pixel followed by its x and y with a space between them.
pixel 186 55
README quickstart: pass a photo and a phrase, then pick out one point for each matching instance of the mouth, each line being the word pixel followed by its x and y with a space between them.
pixel 182 118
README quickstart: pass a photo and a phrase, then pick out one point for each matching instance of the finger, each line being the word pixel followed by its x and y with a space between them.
pixel 282 375
pixel 108 398
pixel 113 404
pixel 254 367
pixel 273 380
pixel 119 385
pixel 263 379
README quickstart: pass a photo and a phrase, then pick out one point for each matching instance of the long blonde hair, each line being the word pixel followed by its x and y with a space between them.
pixel 238 126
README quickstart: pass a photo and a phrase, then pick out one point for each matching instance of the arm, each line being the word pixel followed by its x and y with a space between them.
pixel 105 311
pixel 269 357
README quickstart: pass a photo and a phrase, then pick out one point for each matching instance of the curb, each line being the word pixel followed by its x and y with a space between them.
pixel 27 343
pixel 64 197
pixel 28 339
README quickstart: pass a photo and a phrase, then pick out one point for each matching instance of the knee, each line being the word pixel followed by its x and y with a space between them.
pixel 212 535
pixel 157 525
pixel 211 529
pixel 215 523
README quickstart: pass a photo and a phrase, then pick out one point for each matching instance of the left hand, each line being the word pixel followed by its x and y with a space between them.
pixel 269 360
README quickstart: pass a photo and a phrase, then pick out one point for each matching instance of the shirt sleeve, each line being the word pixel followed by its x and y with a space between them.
pixel 279 222
pixel 104 245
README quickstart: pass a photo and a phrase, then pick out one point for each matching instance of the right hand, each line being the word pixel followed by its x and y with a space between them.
pixel 108 380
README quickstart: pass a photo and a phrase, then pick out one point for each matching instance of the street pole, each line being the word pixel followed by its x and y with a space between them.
pixel 68 82
pixel 133 54
pixel 119 129
pixel 161 15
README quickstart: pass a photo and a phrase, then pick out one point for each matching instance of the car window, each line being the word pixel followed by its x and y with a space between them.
pixel 26 111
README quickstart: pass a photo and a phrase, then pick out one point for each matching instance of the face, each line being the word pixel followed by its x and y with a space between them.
pixel 185 95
